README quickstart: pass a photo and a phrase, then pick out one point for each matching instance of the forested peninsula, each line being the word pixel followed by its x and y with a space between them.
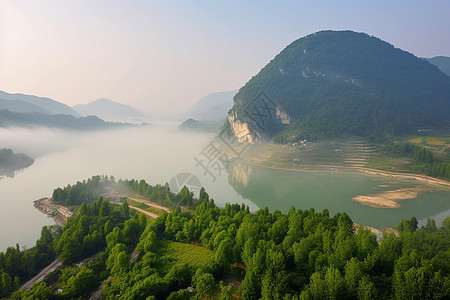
pixel 201 251
pixel 10 161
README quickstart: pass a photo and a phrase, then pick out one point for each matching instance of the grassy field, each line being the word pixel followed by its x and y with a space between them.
pixel 174 252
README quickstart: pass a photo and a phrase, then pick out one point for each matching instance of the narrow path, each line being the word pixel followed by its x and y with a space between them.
pixel 151 215
pixel 151 204
pixel 40 277
pixel 134 255
pixel 97 294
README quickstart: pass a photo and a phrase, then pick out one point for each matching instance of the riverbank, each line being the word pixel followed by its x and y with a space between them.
pixel 59 213
pixel 347 169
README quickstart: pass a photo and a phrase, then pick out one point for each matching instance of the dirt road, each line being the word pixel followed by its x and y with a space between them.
pixel 151 204
pixel 151 215
pixel 40 277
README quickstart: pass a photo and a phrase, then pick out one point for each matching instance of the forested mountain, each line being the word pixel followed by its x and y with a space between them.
pixel 15 119
pixel 109 110
pixel 442 62
pixel 213 107
pixel 36 104
pixel 336 82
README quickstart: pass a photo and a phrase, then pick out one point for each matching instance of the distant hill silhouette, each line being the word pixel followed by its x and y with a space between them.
pixel 15 119
pixel 213 107
pixel 109 110
pixel 442 62
pixel 17 102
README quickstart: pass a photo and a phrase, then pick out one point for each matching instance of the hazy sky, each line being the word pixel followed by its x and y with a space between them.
pixel 168 54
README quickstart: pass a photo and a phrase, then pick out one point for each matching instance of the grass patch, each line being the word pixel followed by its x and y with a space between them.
pixel 431 141
pixel 417 140
pixel 174 252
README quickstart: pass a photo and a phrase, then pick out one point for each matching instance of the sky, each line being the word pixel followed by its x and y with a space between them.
pixel 166 55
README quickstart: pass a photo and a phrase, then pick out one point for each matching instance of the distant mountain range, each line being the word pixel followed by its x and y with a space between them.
pixel 29 103
pixel 28 111
pixel 442 62
pixel 333 83
pixel 213 107
pixel 109 110
pixel 16 119
pixel 209 113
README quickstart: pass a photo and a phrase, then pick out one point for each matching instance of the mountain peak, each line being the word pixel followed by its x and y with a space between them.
pixel 103 100
pixel 110 110
pixel 343 82
pixel 30 103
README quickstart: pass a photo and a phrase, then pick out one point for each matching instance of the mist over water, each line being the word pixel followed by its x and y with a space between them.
pixel 154 153
pixel 160 152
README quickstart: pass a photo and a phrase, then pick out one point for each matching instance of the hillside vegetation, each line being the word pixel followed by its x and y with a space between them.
pixel 342 82
pixel 207 252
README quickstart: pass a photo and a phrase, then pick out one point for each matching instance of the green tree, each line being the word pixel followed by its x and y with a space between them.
pixel 204 284
pixel 224 253
pixel 125 209
pixel 250 287
pixel 104 209
pixel 366 289
pixel 353 274
pixel 81 284
pixel 82 210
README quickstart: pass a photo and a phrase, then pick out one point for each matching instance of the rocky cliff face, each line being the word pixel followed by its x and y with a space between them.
pixel 241 129
pixel 257 120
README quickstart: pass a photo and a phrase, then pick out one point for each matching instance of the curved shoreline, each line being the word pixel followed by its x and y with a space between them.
pixel 57 212
pixel 347 169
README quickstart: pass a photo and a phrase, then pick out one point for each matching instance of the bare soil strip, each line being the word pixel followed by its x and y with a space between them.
pixel 151 204
pixel 151 215
pixel 372 229
pixel 40 277
pixel 59 213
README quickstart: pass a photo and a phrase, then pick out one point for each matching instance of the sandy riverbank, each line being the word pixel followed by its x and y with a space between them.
pixel 334 169
pixel 59 213
pixel 388 199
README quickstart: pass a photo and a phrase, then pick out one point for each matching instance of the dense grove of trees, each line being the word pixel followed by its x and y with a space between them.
pixel 17 266
pixel 428 163
pixel 299 255
pixel 161 193
pixel 86 191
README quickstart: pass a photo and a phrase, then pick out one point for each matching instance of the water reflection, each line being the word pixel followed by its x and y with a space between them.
pixel 281 189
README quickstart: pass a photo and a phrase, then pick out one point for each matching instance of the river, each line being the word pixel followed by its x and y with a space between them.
pixel 160 152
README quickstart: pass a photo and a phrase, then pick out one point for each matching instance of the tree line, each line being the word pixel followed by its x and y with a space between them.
pixel 428 164
pixel 303 254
